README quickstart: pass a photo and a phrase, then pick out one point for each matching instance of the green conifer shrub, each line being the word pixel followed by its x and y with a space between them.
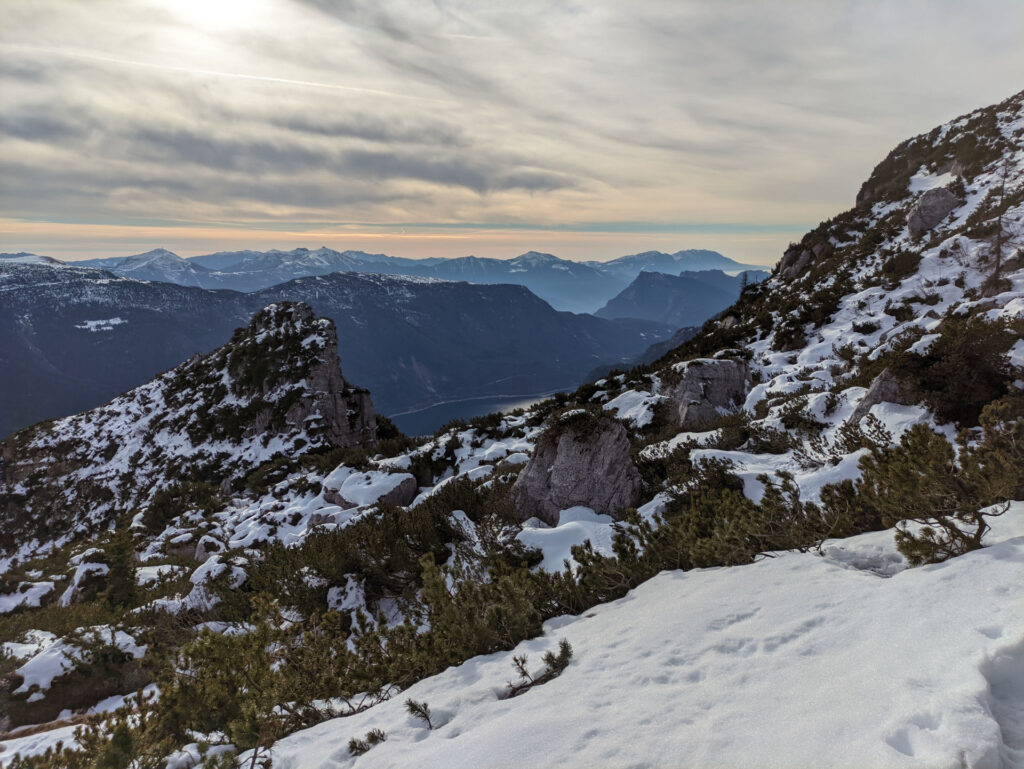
pixel 555 665
pixel 122 588
pixel 964 369
pixel 374 737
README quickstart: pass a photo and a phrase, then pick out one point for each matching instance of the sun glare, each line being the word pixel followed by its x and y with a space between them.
pixel 217 14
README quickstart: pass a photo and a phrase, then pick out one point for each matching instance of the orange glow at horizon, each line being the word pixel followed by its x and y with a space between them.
pixel 73 241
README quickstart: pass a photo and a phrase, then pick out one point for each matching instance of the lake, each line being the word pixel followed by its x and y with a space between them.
pixel 426 421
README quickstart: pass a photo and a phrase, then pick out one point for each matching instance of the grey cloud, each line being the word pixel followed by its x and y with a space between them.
pixel 620 108
pixel 372 129
pixel 23 70
pixel 456 172
pixel 41 127
pixel 81 193
pixel 368 15
pixel 199 148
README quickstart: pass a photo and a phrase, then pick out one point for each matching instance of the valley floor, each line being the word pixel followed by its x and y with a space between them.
pixel 845 659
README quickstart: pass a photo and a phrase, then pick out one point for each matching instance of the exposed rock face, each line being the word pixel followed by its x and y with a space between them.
pixel 932 207
pixel 707 389
pixel 793 262
pixel 798 258
pixel 275 388
pixel 343 415
pixel 582 459
pixel 885 388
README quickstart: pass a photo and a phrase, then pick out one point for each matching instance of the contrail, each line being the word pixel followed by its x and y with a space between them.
pixel 215 73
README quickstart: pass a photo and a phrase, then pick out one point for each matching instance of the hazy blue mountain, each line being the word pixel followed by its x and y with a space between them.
pixel 73 337
pixel 687 299
pixel 691 260
pixel 24 257
pixel 563 283
pixel 160 265
pixel 418 341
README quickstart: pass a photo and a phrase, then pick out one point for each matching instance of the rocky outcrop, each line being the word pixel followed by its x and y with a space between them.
pixel 402 492
pixel 582 459
pixel 931 208
pixel 343 415
pixel 798 258
pixel 885 388
pixel 87 581
pixel 208 547
pixel 275 388
pixel 706 389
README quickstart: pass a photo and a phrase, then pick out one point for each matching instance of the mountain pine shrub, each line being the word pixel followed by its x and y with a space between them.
pixel 947 492
pixel 170 502
pixel 374 737
pixel 964 369
pixel 122 588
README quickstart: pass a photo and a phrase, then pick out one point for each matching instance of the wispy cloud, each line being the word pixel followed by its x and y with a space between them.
pixel 673 122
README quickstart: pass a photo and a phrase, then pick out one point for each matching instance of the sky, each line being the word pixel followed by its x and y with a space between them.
pixel 585 128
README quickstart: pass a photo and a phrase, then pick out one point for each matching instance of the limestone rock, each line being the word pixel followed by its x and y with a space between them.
pixel 798 258
pixel 885 388
pixel 403 493
pixel 582 459
pixel 88 581
pixel 793 262
pixel 707 388
pixel 932 207
pixel 208 546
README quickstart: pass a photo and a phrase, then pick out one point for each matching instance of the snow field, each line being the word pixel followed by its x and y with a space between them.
pixel 798 660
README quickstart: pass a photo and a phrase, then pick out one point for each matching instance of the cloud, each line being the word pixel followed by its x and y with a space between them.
pixel 658 114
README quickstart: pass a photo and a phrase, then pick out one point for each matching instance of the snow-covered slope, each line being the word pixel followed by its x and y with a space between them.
pixel 275 388
pixel 804 659
pixel 24 257
pixel 159 265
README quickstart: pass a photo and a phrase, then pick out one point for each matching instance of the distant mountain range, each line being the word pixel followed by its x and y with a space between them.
pixel 690 260
pixel 72 337
pixel 564 284
pixel 687 299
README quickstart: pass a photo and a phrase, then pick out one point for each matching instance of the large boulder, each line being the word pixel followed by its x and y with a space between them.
pixel 580 460
pixel 373 487
pixel 706 389
pixel 884 388
pixel 932 207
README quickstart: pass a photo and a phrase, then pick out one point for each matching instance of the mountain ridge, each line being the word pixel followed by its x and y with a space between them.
pixel 77 336
pixel 576 286
pixel 275 387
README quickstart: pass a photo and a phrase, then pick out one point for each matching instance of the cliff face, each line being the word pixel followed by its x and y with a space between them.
pixel 275 388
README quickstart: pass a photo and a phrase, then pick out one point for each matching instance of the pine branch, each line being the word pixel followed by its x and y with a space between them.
pixel 420 710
